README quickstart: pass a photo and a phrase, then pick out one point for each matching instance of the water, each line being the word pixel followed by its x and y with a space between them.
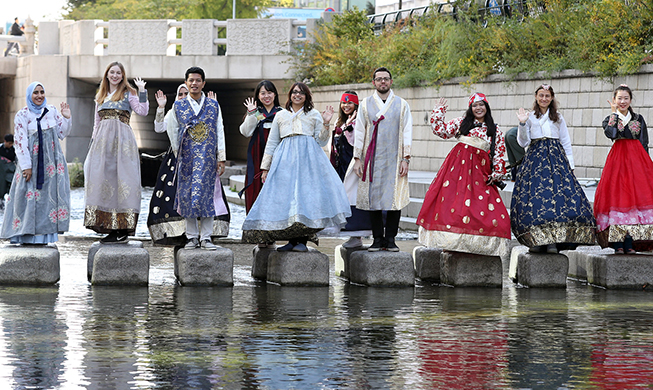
pixel 258 336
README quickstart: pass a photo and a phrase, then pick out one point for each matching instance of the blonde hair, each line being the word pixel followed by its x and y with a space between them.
pixel 123 87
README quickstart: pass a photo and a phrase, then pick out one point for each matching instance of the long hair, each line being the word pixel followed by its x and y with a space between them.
pixel 123 87
pixel 553 106
pixel 468 121
pixel 342 117
pixel 624 87
pixel 308 103
pixel 269 86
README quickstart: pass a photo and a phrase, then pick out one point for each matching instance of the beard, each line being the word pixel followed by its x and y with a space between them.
pixel 382 88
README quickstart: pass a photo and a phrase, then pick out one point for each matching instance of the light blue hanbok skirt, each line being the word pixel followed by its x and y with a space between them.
pixel 301 196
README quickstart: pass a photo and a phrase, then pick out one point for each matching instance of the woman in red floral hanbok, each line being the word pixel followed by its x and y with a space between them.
pixel 623 204
pixel 462 209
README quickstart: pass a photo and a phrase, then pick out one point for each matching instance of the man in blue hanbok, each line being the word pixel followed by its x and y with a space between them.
pixel 200 162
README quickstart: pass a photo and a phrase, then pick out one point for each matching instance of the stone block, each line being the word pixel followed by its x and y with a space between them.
pixel 29 265
pixel 427 263
pixel 299 268
pixel 138 37
pixel 260 262
pixel 342 256
pixel 578 259
pixel 199 267
pixel 120 264
pixel 381 268
pixel 97 245
pixel 197 36
pixel 514 260
pixel 470 270
pixel 633 272
pixel 542 270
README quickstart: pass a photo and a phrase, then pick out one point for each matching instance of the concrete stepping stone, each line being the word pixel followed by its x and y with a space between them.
pixel 342 256
pixel 118 264
pixel 514 260
pixel 633 272
pixel 381 268
pixel 29 264
pixel 427 263
pixel 578 259
pixel 298 268
pixel 460 269
pixel 260 262
pixel 542 269
pixel 200 267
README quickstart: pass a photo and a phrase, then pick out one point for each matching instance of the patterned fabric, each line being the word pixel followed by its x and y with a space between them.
pixel 460 211
pixel 166 226
pixel 623 203
pixel 199 192
pixel 543 127
pixel 450 129
pixel 112 170
pixel 615 128
pixel 548 205
pixel 37 216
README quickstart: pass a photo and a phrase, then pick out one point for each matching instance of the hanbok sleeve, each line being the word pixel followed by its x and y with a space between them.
pixel 524 133
pixel 274 138
pixel 643 135
pixel 360 129
pixel 610 126
pixel 221 153
pixel 407 128
pixel 21 140
pixel 64 124
pixel 159 120
pixel 442 129
pixel 321 132
pixel 565 140
pixel 96 121
pixel 249 124
pixel 139 103
pixel 498 161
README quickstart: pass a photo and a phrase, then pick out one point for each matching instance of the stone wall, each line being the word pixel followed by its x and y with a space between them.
pixel 582 101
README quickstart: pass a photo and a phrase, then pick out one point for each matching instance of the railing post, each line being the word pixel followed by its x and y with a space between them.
pixel 30 32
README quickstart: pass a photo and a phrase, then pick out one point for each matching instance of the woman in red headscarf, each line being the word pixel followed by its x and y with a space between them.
pixel 462 209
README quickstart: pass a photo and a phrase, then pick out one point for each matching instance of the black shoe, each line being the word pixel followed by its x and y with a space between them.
pixel 376 246
pixel 115 237
pixel 286 248
pixel 390 245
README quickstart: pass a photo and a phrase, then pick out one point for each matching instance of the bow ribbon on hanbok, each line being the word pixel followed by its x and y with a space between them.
pixel 371 150
pixel 40 170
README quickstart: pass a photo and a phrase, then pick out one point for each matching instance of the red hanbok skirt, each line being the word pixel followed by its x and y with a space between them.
pixel 623 203
pixel 460 211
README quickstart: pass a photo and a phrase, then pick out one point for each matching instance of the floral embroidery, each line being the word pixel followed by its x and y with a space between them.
pixel 16 224
pixel 53 216
pixel 60 169
pixel 37 195
pixel 29 195
pixel 35 149
pixel 49 169
pixel 62 213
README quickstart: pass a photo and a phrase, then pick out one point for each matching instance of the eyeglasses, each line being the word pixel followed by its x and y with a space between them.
pixel 384 79
pixel 298 93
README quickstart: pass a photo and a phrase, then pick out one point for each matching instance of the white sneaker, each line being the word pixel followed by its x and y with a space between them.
pixel 192 244
pixel 208 245
pixel 353 242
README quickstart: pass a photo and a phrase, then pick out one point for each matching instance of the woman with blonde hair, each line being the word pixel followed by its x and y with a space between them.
pixel 112 170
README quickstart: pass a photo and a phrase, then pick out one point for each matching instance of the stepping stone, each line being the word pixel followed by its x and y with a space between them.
pixel 633 272
pixel 470 270
pixel 427 263
pixel 298 268
pixel 578 259
pixel 381 268
pixel 342 256
pixel 542 270
pixel 199 267
pixel 29 264
pixel 97 245
pixel 260 262
pixel 514 260
pixel 119 264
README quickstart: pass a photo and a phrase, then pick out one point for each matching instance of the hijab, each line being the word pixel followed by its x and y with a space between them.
pixel 30 104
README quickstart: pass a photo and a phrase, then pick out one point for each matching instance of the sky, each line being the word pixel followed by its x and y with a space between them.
pixel 36 9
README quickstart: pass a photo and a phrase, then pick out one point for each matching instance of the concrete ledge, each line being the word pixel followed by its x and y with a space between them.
pixel 199 267
pixel 578 259
pixel 260 262
pixel 342 256
pixel 427 263
pixel 633 272
pixel 298 268
pixel 120 264
pixel 514 260
pixel 29 265
pixel 542 270
pixel 381 268
pixel 469 270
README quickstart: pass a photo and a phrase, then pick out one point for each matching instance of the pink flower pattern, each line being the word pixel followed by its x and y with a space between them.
pixel 49 169
pixel 62 214
pixel 35 149
pixel 60 169
pixel 29 195
pixel 16 223
pixel 53 216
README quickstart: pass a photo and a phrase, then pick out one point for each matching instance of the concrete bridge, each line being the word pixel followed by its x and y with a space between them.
pixel 69 58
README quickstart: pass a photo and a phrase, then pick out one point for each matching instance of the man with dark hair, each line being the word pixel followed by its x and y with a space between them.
pixel 200 162
pixel 383 137
pixel 7 166
pixel 16 31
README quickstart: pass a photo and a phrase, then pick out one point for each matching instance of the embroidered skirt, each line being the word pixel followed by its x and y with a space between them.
pixel 37 216
pixel 548 205
pixel 112 175
pixel 301 196
pixel 461 212
pixel 623 203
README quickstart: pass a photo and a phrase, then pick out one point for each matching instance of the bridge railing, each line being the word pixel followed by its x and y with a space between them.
pixel 171 37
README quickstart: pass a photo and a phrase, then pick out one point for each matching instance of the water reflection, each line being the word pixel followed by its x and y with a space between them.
pixel 33 337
